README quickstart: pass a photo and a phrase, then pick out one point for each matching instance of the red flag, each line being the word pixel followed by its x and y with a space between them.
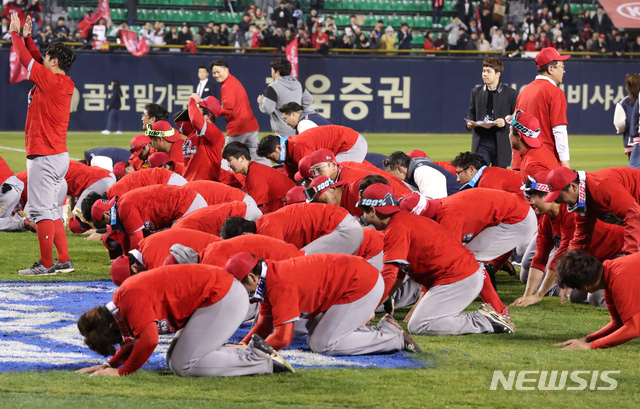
pixel 292 56
pixel 102 11
pixel 135 47
pixel 17 72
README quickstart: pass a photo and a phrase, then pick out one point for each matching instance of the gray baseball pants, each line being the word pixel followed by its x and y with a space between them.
pixel 339 330
pixel 440 310
pixel 197 349
pixel 45 175
pixel 494 241
pixel 357 152
pixel 99 186
pixel 251 140
pixel 176 180
pixel 8 202
pixel 253 213
pixel 407 294
pixel 345 239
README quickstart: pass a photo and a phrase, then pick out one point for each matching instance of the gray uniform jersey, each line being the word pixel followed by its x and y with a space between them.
pixel 280 92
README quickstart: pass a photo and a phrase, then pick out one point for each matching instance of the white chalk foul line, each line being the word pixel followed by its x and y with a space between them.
pixel 7 148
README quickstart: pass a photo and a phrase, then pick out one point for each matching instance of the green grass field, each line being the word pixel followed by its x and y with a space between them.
pixel 461 368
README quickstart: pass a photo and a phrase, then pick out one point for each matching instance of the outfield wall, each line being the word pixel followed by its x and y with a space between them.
pixel 415 95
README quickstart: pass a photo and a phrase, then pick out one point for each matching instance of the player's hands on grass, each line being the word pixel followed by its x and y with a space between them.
pixel 527 301
pixel 15 23
pixel 28 25
pixel 92 369
pixel 94 237
pixel 106 372
pixel 575 344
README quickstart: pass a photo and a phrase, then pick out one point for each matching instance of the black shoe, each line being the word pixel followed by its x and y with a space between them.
pixel 279 363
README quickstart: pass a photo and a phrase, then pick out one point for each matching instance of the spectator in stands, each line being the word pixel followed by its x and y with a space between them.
pixel 224 34
pixel 583 25
pixel 463 41
pixel 555 32
pixel 601 22
pixel 5 34
pixel 636 46
pixel 276 39
pixel 330 25
pixel 236 38
pixel 618 46
pixel 208 38
pixel 254 37
pixel 288 36
pixel 473 27
pixel 578 44
pixel 404 37
pixel 428 41
pixel 304 41
pixel 486 21
pixel 544 41
pixel 349 32
pixel 374 40
pixel 333 40
pixel 146 32
pixel 344 42
pixel 388 40
pixel 531 44
pixel 528 27
pixel 515 46
pixel 244 23
pixel 466 11
pixel 483 44
pixel 171 38
pixel 453 31
pixel 281 17
pixel 543 16
pixel 313 19
pixel 100 30
pixel 34 10
pixel 46 36
pixel 592 43
pixel 601 45
pixel 259 18
pixel 132 10
pixel 566 17
pixel 498 41
pixel 185 36
pixel 353 22
pixel 320 38
pixel 438 5
pixel 362 42
pixel 62 30
pixel 77 38
pixel 158 33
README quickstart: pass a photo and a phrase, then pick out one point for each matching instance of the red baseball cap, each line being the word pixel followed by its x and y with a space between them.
pixel 213 105
pixel 527 126
pixel 549 54
pixel 381 197
pixel 101 206
pixel 119 169
pixel 304 169
pixel 163 129
pixel 77 226
pixel 120 270
pixel 319 185
pixel 137 145
pixel 320 156
pixel 417 154
pixel 417 204
pixel 241 265
pixel 158 159
pixel 537 183
pixel 295 195
pixel 557 179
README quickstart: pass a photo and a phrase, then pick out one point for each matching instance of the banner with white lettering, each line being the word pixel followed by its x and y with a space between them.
pixel 292 56
pixel 623 13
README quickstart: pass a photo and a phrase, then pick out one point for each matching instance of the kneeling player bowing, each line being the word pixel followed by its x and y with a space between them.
pixel 344 289
pixel 204 302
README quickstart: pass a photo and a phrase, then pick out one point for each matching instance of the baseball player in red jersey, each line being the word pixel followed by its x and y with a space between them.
pixel 431 256
pixel 145 177
pixel 242 125
pixel 267 186
pixel 443 164
pixel 614 190
pixel 82 180
pixel 204 302
pixel 11 189
pixel 217 193
pixel 546 101
pixel 211 218
pixel 163 160
pixel 472 171
pixel 46 142
pixel 153 251
pixel 167 139
pixel 141 150
pixel 344 289
pixel 620 281
pixel 201 150
pixel 146 209
pixel 345 143
pixel 312 227
pixel 556 221
pixel 525 130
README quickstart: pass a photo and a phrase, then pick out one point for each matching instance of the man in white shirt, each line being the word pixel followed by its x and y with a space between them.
pixel 205 87
pixel 146 32
pixel 422 175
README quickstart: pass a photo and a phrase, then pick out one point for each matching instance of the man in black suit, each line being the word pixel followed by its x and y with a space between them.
pixel 491 102
pixel 205 87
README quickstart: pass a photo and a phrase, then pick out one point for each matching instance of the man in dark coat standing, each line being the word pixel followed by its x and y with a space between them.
pixel 491 103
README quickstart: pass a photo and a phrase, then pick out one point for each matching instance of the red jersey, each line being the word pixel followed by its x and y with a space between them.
pixel 615 190
pixel 301 223
pixel 139 178
pixel 23 178
pixel 469 212
pixel 202 150
pixel 152 208
pixel 209 219
pixel 426 251
pixel 536 160
pixel 161 301
pixel 307 286
pixel 547 102
pixel 5 171
pixel 446 166
pixel 80 176
pixel 372 244
pixel 267 186
pixel 501 179
pixel 607 243
pixel 351 194
pixel 155 248
pixel 49 102
pixel 336 138
pixel 621 295
pixel 175 153
pixel 268 248
pixel 236 108
pixel 356 170
pixel 320 39
pixel 215 192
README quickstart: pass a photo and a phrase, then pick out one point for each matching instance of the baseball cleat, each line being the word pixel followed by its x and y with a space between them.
pixel 409 344
pixel 279 363
pixel 28 224
pixel 500 323
pixel 64 267
pixel 37 269
pixel 509 268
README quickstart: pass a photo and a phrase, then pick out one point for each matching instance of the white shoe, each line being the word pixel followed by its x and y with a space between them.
pixel 118 132
pixel 105 132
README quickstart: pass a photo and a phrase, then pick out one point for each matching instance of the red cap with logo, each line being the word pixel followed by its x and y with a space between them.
pixel 120 270
pixel 158 159
pixel 417 204
pixel 213 105
pixel 119 169
pixel 163 129
pixel 295 195
pixel 241 265
pixel 320 156
pixel 557 179
pixel 319 185
pixel 548 55
pixel 416 153
pixel 100 207
pixel 527 126
pixel 137 145
pixel 381 197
